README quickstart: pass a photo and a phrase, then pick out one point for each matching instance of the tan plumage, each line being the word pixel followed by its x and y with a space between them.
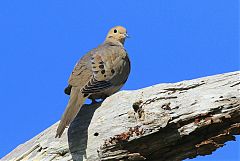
pixel 98 74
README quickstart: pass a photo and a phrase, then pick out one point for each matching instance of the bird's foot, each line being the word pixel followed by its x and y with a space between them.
pixel 94 101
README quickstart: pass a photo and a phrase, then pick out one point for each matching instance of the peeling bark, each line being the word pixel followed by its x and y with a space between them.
pixel 165 122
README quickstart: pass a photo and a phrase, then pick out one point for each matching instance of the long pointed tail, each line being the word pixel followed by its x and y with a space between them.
pixel 75 103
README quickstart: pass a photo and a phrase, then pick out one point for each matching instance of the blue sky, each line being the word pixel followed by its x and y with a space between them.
pixel 41 40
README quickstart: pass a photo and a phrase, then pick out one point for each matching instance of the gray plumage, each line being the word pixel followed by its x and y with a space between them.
pixel 98 74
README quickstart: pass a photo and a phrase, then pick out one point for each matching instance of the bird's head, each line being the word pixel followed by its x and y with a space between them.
pixel 117 33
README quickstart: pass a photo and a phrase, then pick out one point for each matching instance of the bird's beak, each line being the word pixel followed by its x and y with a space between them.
pixel 126 35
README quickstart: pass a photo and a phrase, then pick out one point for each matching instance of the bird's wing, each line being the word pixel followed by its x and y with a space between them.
pixel 92 74
pixel 98 67
pixel 82 72
pixel 104 65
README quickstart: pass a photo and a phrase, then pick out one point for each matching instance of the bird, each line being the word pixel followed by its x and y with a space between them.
pixel 100 73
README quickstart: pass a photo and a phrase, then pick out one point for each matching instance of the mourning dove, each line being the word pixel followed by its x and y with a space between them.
pixel 97 75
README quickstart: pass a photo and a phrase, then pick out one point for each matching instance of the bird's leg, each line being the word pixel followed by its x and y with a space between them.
pixel 93 101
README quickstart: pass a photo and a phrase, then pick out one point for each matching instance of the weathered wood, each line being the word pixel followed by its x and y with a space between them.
pixel 165 122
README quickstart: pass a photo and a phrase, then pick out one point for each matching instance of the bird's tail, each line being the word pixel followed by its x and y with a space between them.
pixel 75 102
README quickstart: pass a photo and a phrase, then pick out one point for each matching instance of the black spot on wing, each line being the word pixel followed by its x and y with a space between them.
pixel 102 71
pixel 101 66
pixel 112 71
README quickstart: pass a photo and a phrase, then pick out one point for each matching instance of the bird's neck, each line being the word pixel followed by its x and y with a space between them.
pixel 114 41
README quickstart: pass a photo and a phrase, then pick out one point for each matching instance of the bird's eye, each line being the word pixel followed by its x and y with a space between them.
pixel 115 31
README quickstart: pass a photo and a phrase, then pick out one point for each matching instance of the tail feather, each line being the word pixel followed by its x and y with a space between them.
pixel 75 102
